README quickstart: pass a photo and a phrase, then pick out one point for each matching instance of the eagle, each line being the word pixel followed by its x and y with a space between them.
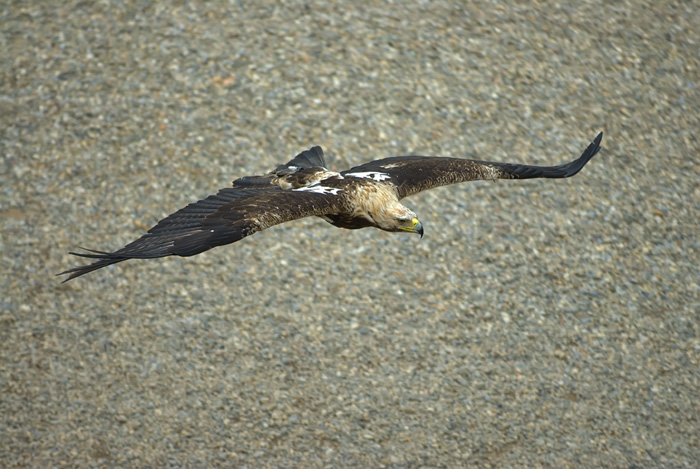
pixel 368 195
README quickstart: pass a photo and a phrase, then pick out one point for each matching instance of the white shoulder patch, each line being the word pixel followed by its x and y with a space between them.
pixel 370 175
pixel 319 189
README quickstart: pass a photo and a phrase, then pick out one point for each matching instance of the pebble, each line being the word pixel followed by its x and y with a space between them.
pixel 538 323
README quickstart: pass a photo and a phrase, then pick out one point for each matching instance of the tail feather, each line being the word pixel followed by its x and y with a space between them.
pixel 311 158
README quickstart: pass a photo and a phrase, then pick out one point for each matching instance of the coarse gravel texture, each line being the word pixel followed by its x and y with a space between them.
pixel 550 323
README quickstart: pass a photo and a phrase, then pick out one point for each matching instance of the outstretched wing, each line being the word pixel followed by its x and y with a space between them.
pixel 413 174
pixel 220 219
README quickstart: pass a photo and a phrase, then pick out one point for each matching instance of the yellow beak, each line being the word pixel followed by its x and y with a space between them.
pixel 416 227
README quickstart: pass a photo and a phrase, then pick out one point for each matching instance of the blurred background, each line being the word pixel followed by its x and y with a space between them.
pixel 538 323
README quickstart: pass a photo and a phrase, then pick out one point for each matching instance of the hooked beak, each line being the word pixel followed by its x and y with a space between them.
pixel 416 227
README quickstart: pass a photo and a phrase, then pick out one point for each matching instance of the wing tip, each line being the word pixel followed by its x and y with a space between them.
pixel 104 259
pixel 573 168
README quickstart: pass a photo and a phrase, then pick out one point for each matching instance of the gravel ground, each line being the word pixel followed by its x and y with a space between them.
pixel 544 323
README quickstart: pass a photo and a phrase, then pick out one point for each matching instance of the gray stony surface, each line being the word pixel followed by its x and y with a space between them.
pixel 538 323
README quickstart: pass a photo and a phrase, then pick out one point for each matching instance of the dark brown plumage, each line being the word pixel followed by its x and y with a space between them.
pixel 364 196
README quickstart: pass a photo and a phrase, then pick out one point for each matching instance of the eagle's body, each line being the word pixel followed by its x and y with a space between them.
pixel 364 196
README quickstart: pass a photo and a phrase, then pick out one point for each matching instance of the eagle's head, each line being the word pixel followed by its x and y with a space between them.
pixel 378 204
pixel 403 219
pixel 410 225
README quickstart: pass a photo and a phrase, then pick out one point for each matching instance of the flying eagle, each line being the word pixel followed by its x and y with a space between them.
pixel 363 196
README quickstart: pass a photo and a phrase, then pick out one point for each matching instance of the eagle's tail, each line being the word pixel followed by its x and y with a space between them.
pixel 311 158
